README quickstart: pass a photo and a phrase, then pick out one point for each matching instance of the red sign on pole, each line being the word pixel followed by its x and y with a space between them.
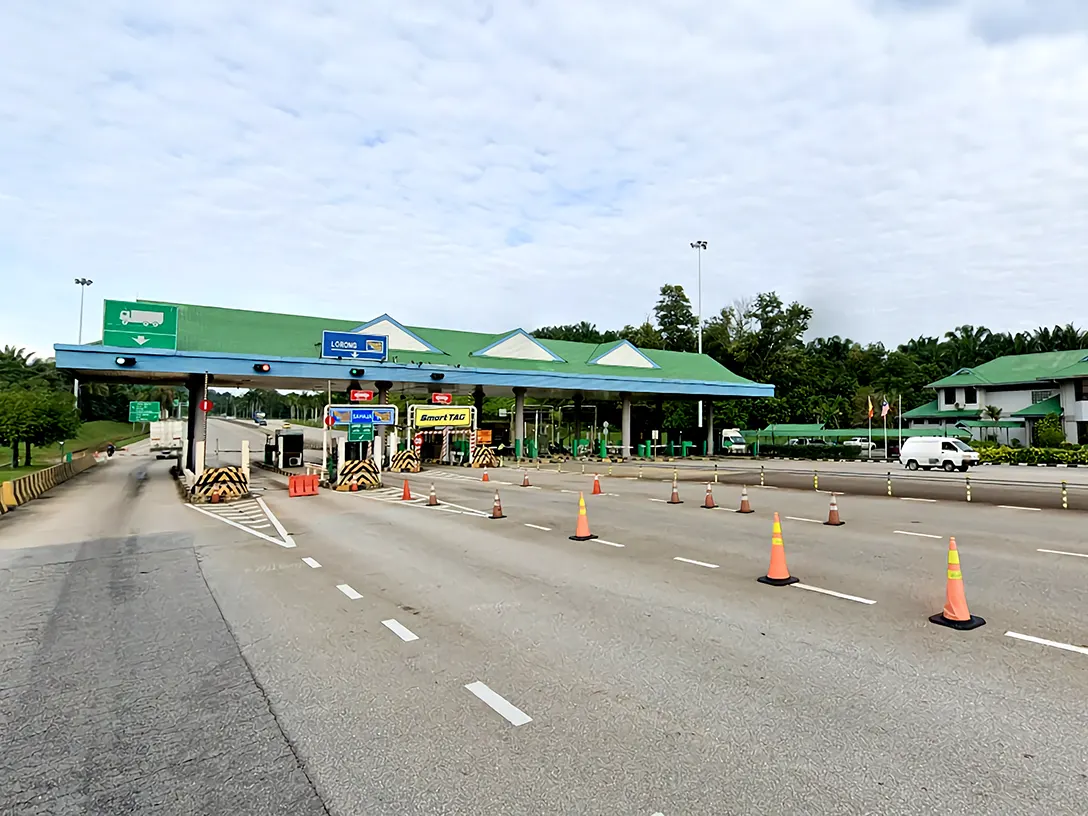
pixel 361 396
pixel 442 399
pixel 330 420
pixel 205 405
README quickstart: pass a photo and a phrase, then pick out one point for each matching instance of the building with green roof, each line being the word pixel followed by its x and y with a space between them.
pixel 199 346
pixel 1026 387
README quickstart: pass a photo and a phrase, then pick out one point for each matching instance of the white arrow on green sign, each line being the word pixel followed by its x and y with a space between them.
pixel 360 433
pixel 129 324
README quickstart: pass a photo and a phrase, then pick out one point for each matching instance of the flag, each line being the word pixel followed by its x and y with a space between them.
pixel 870 406
pixel 884 408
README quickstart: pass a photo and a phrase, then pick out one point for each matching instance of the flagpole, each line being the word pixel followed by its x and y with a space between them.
pixel 869 449
pixel 884 411
pixel 900 422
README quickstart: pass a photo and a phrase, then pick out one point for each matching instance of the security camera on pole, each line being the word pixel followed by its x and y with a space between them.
pixel 699 246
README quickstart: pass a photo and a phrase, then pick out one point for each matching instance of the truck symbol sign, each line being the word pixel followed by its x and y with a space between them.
pixel 142 316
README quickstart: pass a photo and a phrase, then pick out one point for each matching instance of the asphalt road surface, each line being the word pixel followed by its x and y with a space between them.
pixel 415 660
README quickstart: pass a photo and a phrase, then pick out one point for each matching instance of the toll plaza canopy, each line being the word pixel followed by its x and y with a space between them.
pixel 155 341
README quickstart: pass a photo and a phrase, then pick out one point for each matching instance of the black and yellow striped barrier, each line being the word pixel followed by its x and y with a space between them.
pixel 27 488
pixel 225 482
pixel 405 461
pixel 485 458
pixel 362 473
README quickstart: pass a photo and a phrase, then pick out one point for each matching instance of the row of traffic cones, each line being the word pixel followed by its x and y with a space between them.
pixel 955 613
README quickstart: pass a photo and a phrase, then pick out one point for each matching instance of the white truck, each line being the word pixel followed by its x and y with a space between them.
pixel 167 438
pixel 733 442
pixel 144 316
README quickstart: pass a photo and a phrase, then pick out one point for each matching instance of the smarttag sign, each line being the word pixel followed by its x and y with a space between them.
pixel 352 346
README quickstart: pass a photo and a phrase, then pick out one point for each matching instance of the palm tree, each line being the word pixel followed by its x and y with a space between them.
pixel 965 346
pixel 994 413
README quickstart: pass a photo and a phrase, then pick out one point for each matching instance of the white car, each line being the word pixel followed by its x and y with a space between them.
pixel 860 442
pixel 927 452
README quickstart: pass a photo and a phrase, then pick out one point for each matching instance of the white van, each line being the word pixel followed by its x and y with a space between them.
pixel 733 442
pixel 928 452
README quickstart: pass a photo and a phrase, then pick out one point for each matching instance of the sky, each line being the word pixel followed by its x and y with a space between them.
pixel 901 166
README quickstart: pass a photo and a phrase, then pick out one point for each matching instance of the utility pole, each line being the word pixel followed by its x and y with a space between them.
pixel 82 283
pixel 699 246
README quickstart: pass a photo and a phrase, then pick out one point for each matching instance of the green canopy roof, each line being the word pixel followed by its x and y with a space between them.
pixel 989 423
pixel 931 411
pixel 1018 368
pixel 1053 405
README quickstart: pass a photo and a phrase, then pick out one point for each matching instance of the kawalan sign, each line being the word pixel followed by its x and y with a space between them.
pixel 450 416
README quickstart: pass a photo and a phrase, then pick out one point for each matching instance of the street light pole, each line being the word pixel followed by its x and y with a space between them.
pixel 82 283
pixel 699 246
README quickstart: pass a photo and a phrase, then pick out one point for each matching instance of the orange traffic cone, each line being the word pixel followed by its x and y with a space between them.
pixel 708 501
pixel 778 574
pixel 354 487
pixel 406 494
pixel 581 529
pixel 833 519
pixel 525 480
pixel 215 497
pixel 955 612
pixel 485 477
pixel 675 499
pixel 745 506
pixel 432 500
pixel 496 508
pixel 596 485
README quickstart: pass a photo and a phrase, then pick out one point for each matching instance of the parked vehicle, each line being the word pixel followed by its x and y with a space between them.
pixel 860 442
pixel 166 438
pixel 928 452
pixel 733 442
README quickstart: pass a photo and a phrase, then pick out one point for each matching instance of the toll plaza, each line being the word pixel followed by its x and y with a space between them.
pixel 200 346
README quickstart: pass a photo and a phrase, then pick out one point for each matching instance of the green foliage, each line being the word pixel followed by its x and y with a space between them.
pixel 1034 456
pixel 675 319
pixel 1049 432
pixel 35 417
pixel 810 451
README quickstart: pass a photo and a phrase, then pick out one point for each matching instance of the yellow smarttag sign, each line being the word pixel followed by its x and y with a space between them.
pixel 450 416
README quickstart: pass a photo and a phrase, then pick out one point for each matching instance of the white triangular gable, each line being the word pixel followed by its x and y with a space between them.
pixel 399 338
pixel 518 346
pixel 625 355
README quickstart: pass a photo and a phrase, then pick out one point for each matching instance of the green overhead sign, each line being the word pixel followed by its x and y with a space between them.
pixel 360 433
pixel 144 412
pixel 139 325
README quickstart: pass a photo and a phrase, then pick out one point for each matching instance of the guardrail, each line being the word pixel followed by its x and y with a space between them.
pixel 15 492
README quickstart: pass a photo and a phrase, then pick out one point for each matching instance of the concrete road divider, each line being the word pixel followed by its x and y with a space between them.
pixel 219 484
pixel 362 473
pixel 15 492
pixel 405 461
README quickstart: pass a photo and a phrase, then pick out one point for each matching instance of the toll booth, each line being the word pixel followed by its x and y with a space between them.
pixel 443 433
pixel 288 449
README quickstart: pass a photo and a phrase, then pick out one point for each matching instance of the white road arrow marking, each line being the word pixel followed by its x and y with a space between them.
pixel 140 340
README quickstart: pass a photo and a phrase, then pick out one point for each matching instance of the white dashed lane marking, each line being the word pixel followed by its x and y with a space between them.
pixel 349 592
pixel 1068 647
pixel 313 563
pixel 400 630
pixel 514 715
pixel 832 593
pixel 919 535
pixel 1063 552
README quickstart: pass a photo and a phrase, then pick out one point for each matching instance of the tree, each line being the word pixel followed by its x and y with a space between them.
pixel 645 336
pixel 675 320
pixel 994 413
pixel 1048 431
pixel 15 422
pixel 52 419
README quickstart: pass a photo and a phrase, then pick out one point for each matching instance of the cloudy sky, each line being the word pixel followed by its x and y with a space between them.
pixel 903 166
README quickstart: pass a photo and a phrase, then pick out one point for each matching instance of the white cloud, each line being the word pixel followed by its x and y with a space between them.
pixel 902 166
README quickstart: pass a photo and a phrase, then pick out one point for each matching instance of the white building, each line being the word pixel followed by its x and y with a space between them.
pixel 1025 387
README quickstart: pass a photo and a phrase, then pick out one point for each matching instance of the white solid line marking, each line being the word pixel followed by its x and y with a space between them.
pixel 920 535
pixel 659 500
pixel 766 487
pixel 276 523
pixel 564 490
pixel 538 527
pixel 259 526
pixel 347 590
pixel 313 563
pixel 609 543
pixel 1069 647
pixel 468 511
pixel 1063 552
pixel 286 544
pixel 400 630
pixel 833 593
pixel 908 498
pixel 510 712
pixel 696 563
pixel 1015 507
pixel 798 518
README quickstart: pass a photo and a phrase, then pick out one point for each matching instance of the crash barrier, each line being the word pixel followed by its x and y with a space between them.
pixel 405 461
pixel 19 491
pixel 302 485
pixel 485 457
pixel 219 484
pixel 361 473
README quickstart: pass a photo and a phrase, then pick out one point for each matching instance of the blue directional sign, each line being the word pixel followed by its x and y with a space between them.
pixel 351 346
pixel 375 415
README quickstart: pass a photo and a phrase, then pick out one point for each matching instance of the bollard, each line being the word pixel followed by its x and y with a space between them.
pixel 815 480
pixel 715 473
pixel 761 476
pixel 558 467
pixel 640 471
pixel 583 470
pixel 1065 496
pixel 610 470
pixel 967 480
pixel 889 482
pixel 538 464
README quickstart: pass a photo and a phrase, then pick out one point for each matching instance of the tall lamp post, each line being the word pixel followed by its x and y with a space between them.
pixel 699 246
pixel 82 283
